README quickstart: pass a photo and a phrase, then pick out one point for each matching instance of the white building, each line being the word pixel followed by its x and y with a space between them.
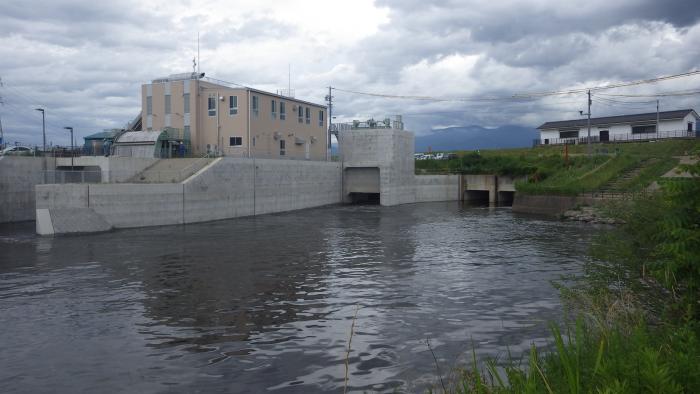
pixel 671 124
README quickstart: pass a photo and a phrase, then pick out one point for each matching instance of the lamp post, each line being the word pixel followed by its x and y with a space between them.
pixel 43 134
pixel 71 146
pixel 43 127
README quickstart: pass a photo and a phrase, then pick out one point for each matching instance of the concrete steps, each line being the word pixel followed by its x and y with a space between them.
pixel 617 184
pixel 171 170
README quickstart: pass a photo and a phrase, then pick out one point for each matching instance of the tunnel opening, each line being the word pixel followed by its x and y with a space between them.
pixel 364 198
pixel 506 198
pixel 476 197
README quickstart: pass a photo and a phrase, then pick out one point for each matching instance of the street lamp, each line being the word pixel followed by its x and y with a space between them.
pixel 71 146
pixel 43 127
pixel 43 134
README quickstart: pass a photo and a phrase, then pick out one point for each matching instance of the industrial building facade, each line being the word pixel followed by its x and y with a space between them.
pixel 234 121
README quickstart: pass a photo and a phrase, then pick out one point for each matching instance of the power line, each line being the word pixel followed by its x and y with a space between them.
pixel 678 93
pixel 612 86
pixel 523 96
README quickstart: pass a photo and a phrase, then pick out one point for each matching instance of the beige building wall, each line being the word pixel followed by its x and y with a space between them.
pixel 260 132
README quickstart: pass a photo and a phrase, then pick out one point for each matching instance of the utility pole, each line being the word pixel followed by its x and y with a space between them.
pixel 588 142
pixel 657 118
pixel 329 100
pixel 589 122
pixel 2 133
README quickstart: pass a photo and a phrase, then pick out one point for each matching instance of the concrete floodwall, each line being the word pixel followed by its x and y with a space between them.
pixel 548 205
pixel 283 185
pixel 18 177
pixel 227 188
pixel 113 168
pixel 437 188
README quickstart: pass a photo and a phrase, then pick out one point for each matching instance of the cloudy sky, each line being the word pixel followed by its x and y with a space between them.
pixel 84 61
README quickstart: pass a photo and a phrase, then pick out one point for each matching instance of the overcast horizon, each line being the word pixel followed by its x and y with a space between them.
pixel 85 61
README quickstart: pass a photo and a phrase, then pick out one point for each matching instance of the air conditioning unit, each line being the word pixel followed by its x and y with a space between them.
pixel 294 107
pixel 276 135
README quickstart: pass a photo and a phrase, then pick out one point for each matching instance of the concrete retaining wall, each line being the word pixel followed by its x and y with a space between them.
pixel 548 205
pixel 113 168
pixel 437 188
pixel 18 176
pixel 228 188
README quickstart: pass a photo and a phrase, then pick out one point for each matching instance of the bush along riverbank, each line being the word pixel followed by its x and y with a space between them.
pixel 637 308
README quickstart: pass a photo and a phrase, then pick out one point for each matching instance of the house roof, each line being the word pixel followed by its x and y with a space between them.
pixel 606 120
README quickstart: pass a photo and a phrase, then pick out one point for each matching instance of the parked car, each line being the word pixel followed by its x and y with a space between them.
pixel 429 156
pixel 17 151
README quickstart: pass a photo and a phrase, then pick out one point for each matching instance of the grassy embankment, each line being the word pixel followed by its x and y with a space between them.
pixel 637 304
pixel 550 172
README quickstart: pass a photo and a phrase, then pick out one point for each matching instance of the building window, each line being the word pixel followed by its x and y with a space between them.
pixel 167 104
pixel 211 105
pixel 282 147
pixel 273 109
pixel 235 141
pixel 149 105
pixel 645 129
pixel 568 134
pixel 308 115
pixel 283 111
pixel 320 118
pixel 232 105
pixel 186 97
pixel 300 114
pixel 255 105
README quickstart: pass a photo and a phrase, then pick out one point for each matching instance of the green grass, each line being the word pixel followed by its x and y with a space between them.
pixel 587 359
pixel 639 302
pixel 550 172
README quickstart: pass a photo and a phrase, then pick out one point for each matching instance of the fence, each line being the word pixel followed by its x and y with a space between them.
pixel 618 138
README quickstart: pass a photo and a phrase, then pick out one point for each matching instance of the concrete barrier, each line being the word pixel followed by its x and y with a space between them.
pixel 18 177
pixel 437 188
pixel 228 188
pixel 547 205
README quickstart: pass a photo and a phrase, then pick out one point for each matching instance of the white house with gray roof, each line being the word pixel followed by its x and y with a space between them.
pixel 671 124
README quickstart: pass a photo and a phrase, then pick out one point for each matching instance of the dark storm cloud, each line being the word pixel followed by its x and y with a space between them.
pixel 85 60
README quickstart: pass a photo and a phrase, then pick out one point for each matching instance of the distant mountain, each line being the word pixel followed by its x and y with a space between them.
pixel 476 137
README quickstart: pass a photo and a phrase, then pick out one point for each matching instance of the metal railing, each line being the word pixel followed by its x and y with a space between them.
pixel 618 138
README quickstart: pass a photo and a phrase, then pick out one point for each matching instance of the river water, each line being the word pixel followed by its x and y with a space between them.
pixel 266 304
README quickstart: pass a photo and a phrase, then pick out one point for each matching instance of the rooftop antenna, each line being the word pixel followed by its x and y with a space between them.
pixel 194 65
pixel 289 78
pixel 198 53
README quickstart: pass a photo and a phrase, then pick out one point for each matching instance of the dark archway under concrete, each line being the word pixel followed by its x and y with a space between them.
pixel 476 196
pixel 506 198
pixel 364 198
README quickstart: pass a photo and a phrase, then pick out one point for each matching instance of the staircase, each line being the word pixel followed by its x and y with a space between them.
pixel 616 185
pixel 171 170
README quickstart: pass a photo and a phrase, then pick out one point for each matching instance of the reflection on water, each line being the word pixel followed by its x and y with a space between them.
pixel 266 303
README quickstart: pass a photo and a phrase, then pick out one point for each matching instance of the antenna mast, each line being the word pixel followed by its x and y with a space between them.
pixel 198 53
